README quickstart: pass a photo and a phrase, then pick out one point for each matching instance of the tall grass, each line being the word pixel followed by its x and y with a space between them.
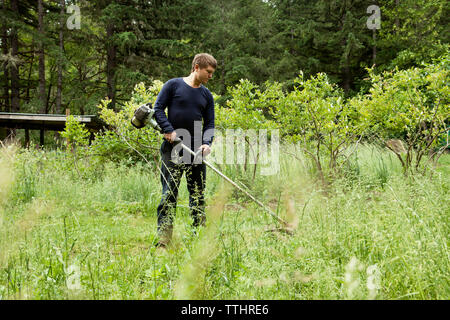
pixel 89 234
pixel 191 283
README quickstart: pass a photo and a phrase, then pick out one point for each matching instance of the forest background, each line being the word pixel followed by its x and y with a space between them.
pixel 58 55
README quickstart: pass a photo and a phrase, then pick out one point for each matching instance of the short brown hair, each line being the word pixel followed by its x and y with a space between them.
pixel 203 60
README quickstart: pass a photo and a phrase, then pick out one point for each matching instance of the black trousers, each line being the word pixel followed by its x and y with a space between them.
pixel 171 174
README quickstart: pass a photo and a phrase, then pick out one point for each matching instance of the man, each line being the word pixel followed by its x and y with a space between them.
pixel 189 103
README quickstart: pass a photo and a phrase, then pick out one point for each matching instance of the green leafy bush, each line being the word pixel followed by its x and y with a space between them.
pixel 249 107
pixel 247 111
pixel 121 141
pixel 316 115
pixel 76 134
pixel 410 105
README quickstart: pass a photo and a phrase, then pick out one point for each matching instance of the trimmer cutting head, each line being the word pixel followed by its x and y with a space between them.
pixel 141 115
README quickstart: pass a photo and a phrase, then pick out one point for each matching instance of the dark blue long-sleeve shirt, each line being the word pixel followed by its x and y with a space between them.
pixel 186 105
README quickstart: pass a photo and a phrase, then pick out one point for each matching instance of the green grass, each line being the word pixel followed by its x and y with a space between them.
pixel 88 233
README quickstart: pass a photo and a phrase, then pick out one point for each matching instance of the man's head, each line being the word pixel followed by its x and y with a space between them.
pixel 203 66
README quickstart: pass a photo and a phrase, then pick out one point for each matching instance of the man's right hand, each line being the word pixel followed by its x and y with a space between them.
pixel 170 136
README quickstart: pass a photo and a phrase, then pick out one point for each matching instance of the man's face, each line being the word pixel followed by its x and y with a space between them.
pixel 204 74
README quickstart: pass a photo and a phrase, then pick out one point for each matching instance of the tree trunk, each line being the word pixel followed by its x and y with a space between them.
pixel 7 106
pixel 222 77
pixel 345 70
pixel 30 70
pixel 111 66
pixel 347 78
pixel 397 21
pixel 374 51
pixel 60 58
pixel 58 101
pixel 15 102
pixel 42 93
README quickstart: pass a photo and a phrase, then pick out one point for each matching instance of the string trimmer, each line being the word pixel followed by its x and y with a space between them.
pixel 145 116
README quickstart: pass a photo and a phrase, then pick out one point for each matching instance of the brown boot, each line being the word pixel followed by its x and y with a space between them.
pixel 165 236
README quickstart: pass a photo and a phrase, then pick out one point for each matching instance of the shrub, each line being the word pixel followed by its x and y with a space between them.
pixel 316 114
pixel 120 140
pixel 410 105
pixel 75 133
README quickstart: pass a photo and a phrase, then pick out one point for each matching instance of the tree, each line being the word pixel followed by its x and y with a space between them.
pixel 413 32
pixel 325 36
pixel 5 49
pixel 60 57
pixel 239 36
pixel 317 114
pixel 15 94
pixel 41 51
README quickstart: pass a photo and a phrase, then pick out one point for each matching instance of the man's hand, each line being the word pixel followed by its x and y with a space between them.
pixel 170 136
pixel 205 149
